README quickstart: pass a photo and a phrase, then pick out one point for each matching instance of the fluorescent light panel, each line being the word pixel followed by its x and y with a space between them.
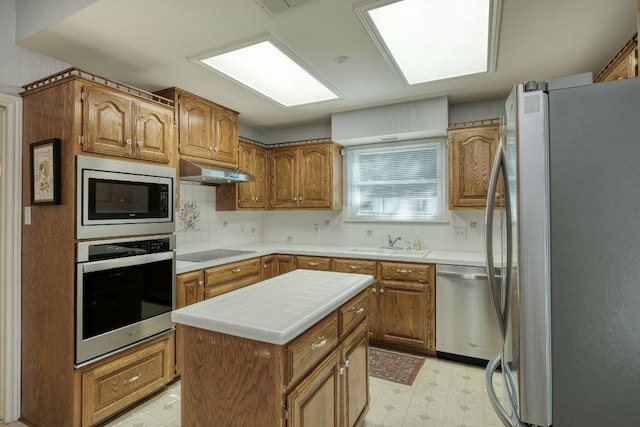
pixel 430 40
pixel 267 70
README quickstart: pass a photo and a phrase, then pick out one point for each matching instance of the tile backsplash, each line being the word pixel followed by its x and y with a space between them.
pixel 200 227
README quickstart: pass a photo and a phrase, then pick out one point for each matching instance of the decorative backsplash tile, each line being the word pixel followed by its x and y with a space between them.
pixel 189 216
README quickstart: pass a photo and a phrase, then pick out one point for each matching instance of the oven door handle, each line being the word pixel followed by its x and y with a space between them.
pixel 109 264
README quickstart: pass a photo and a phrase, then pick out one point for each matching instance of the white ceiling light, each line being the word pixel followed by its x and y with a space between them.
pixel 266 69
pixel 428 40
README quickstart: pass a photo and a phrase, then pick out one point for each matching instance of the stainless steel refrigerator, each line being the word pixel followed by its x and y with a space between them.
pixel 567 180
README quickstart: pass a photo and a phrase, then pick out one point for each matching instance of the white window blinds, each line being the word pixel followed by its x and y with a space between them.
pixel 399 182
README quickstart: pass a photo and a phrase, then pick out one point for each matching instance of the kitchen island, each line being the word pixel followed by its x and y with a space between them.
pixel 292 349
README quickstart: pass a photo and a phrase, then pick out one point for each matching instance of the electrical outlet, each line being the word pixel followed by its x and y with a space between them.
pixel 461 233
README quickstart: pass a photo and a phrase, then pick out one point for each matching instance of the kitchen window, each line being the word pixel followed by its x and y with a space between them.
pixel 405 181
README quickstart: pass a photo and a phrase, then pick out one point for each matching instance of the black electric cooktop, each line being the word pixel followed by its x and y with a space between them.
pixel 211 255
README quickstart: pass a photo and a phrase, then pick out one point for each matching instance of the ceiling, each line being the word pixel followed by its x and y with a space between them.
pixel 147 43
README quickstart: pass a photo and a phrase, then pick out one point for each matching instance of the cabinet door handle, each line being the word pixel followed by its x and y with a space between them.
pixel 374 290
pixel 264 266
pixel 359 310
pixel 404 271
pixel 319 344
pixel 341 370
pixel 354 267
pixel 132 379
pixel 295 199
pixel 313 264
pixel 300 198
pixel 346 363
pixel 128 141
pixel 236 270
pixel 140 143
pixel 200 283
pixel 382 291
pixel 210 148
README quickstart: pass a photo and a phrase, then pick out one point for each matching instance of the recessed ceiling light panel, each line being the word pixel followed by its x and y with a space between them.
pixel 428 40
pixel 265 68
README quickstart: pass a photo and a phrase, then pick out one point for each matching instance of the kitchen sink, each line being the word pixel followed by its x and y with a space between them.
pixel 388 252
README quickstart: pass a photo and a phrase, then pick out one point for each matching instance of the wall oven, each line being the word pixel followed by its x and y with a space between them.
pixel 120 198
pixel 124 293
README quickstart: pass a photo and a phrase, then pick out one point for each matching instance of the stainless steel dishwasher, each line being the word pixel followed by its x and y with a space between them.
pixel 466 323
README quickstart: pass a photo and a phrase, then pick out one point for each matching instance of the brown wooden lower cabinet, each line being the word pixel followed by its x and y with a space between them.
pixel 112 385
pixel 275 385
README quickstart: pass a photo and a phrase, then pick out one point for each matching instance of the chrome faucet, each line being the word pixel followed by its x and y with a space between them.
pixel 392 241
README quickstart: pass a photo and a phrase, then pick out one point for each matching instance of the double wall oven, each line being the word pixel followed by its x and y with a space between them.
pixel 125 255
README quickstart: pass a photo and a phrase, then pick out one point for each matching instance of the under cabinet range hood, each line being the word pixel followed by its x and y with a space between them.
pixel 210 175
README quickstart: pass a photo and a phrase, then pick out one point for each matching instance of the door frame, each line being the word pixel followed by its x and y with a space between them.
pixel 10 254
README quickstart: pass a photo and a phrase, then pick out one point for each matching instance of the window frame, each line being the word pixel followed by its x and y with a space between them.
pixel 440 144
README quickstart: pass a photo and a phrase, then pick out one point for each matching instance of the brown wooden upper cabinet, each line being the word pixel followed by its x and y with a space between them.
pixel 206 130
pixel 117 124
pixel 246 195
pixel 624 65
pixel 471 153
pixel 306 176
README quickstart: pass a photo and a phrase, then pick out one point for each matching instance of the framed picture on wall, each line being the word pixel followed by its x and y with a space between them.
pixel 45 172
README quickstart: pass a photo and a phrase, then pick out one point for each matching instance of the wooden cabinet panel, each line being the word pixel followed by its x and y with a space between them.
pixel 316 400
pixel 246 195
pixel 106 122
pixel 624 65
pixel 116 124
pixel 315 174
pixel 311 346
pixel 206 130
pixel 306 177
pixel 284 181
pixel 269 267
pixel 195 126
pixel 405 304
pixel 225 145
pixel 404 307
pixel 189 288
pixel 314 263
pixel 353 313
pixel 355 360
pixel 112 386
pixel 286 263
pixel 354 266
pixel 471 153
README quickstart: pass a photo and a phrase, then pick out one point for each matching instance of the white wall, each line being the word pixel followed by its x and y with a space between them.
pixel 19 66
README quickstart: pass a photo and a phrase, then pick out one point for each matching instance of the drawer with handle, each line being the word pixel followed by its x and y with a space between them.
pixel 314 263
pixel 307 349
pixel 422 273
pixel 359 266
pixel 232 271
pixel 352 313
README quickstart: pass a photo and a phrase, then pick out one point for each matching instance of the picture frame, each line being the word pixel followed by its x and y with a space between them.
pixel 45 172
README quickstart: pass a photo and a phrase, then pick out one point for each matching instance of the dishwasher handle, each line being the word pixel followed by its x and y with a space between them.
pixel 465 276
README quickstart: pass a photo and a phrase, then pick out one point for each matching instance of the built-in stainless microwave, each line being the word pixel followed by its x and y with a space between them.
pixel 121 198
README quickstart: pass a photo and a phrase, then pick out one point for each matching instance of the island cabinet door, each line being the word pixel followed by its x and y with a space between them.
pixel 316 400
pixel 355 370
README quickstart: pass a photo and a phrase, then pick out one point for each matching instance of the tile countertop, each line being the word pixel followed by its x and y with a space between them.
pixel 276 310
pixel 262 249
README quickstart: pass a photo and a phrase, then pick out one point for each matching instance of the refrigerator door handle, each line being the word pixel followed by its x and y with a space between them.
pixel 506 419
pixel 498 163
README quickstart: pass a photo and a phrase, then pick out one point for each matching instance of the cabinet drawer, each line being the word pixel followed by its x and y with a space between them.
pixel 306 350
pixel 422 273
pixel 233 271
pixel 353 312
pixel 112 386
pixel 314 263
pixel 223 288
pixel 359 266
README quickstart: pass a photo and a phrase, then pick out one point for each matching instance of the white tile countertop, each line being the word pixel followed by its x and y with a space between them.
pixel 262 249
pixel 275 310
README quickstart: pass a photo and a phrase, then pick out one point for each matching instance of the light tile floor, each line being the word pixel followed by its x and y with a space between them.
pixel 444 394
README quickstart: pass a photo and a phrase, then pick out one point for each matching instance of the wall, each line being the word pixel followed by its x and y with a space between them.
pixel 19 66
pixel 200 227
